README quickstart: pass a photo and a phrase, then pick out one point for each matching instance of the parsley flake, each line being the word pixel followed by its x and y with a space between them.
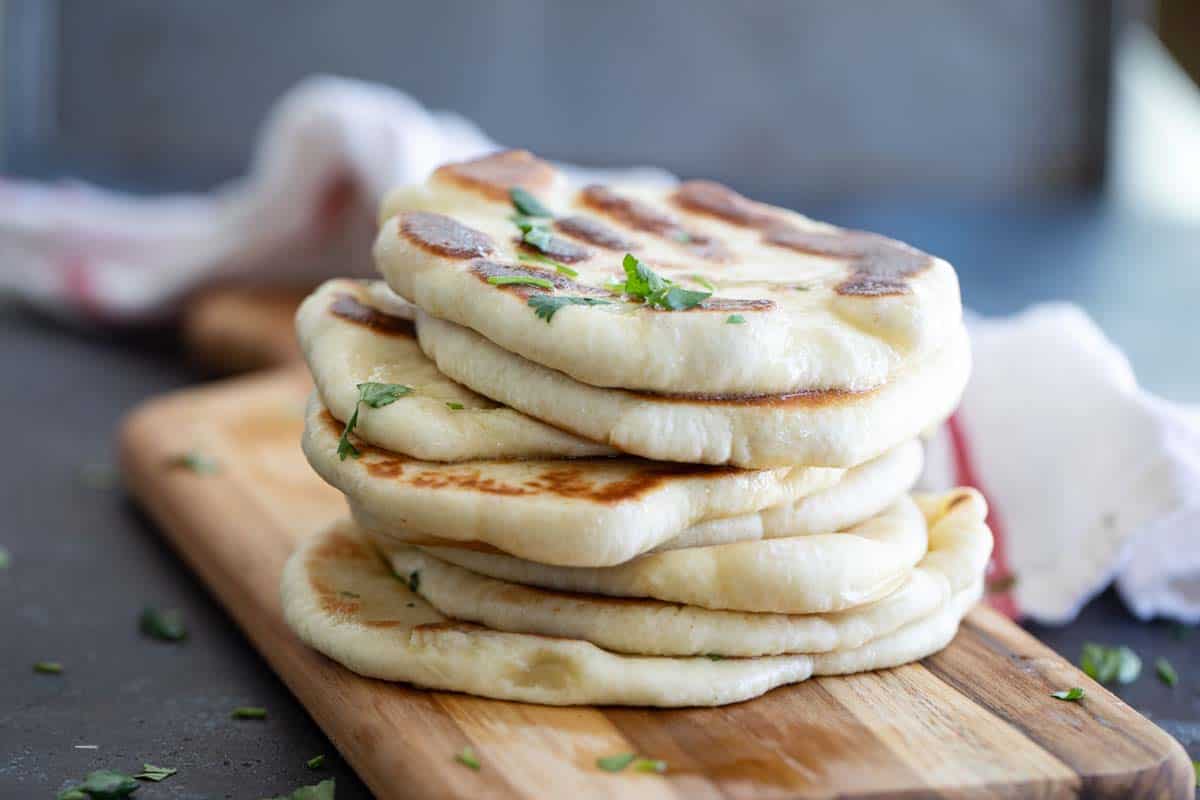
pixel 1196 767
pixel 152 773
pixel 103 784
pixel 166 625
pixel 454 406
pixel 654 290
pixel 48 668
pixel 1166 672
pixel 545 306
pixel 5 558
pixel 735 319
pixel 703 281
pixel 248 712
pixel 72 794
pixel 615 763
pixel 376 395
pixel 656 765
pixel 714 656
pixel 1074 693
pixel 316 762
pixel 1107 664
pixel 195 461
pixel 526 204
pixel 468 759
pixel 559 267
pixel 520 280
pixel 318 791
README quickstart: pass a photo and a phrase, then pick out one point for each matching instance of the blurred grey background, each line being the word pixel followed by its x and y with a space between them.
pixel 786 99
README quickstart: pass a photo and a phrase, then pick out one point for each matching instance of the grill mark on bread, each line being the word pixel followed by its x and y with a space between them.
pixel 484 269
pixel 594 232
pixel 645 217
pixel 348 307
pixel 559 249
pixel 493 175
pixel 808 398
pixel 716 200
pixel 444 236
pixel 724 304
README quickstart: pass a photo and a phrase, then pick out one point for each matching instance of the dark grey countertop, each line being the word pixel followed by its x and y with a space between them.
pixel 85 560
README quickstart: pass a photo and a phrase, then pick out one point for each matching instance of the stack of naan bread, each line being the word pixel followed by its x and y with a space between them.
pixel 630 445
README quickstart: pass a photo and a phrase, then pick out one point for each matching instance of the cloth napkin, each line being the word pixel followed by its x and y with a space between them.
pixel 1089 478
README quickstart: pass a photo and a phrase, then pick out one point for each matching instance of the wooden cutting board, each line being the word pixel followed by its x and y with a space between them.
pixel 976 720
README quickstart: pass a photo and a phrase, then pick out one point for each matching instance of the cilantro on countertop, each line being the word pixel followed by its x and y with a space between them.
pixel 1074 693
pixel 1106 664
pixel 164 625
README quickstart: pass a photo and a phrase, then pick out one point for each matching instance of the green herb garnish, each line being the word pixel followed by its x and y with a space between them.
pixel 249 712
pixel 195 461
pixel 615 763
pixel 1106 664
pixel 735 319
pixel 654 290
pixel 319 791
pixel 526 204
pixel 520 280
pixel 1166 672
pixel 48 668
pixel 1074 693
pixel 454 406
pixel 152 773
pixel 650 765
pixel 5 558
pixel 545 306
pixel 103 784
pixel 376 395
pixel 467 758
pixel 559 267
pixel 1196 767
pixel 714 656
pixel 165 625
pixel 703 281
pixel 1179 631
pixel 316 762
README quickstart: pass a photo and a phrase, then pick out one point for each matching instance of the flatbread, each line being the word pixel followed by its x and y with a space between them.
pixel 830 429
pixel 577 512
pixel 342 599
pixel 795 575
pixel 352 333
pixel 959 546
pixel 823 308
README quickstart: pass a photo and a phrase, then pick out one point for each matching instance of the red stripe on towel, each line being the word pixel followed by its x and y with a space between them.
pixel 998 574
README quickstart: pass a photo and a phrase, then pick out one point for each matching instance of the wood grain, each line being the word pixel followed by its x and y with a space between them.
pixel 973 721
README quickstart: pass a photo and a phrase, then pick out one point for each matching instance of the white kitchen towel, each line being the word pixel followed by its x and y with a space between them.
pixel 1089 478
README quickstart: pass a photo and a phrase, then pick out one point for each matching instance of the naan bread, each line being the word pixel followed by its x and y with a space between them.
pixel 795 575
pixel 828 429
pixel 959 546
pixel 577 512
pixel 352 333
pixel 823 308
pixel 341 598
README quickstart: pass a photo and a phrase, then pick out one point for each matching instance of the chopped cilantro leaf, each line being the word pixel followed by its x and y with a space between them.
pixel 735 319
pixel 615 763
pixel 520 280
pixel 319 791
pixel 5 558
pixel 195 461
pixel 1166 672
pixel 802 287
pixel 152 773
pixel 714 656
pixel 376 395
pixel 646 285
pixel 526 204
pixel 559 267
pixel 1074 693
pixel 103 784
pixel 467 758
pixel 316 762
pixel 165 625
pixel 703 281
pixel 545 306
pixel 538 237
pixel 1107 664
pixel 249 712
pixel 73 793
pixel 454 406
pixel 48 668
pixel 650 765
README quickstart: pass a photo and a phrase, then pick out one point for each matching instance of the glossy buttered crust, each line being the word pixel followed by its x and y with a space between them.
pixel 823 308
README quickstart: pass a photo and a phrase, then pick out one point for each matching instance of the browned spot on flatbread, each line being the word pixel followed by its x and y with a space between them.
pixel 493 175
pixel 484 269
pixel 809 398
pixel 444 236
pixel 348 307
pixel 335 548
pixel 594 232
pixel 725 305
pixel 717 200
pixel 879 266
pixel 644 217
pixel 559 249
pixel 378 462
pixel 448 625
pixel 962 498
